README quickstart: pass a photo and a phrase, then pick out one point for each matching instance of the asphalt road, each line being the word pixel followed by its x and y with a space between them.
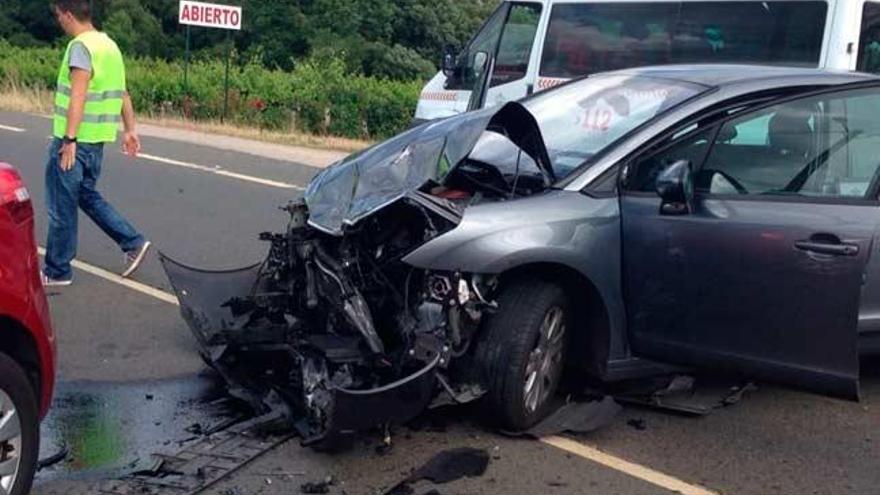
pixel 131 382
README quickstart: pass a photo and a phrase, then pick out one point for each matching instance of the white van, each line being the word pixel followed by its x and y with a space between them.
pixel 537 44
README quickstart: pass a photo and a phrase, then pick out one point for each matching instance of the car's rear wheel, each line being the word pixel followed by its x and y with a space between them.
pixel 19 429
pixel 522 353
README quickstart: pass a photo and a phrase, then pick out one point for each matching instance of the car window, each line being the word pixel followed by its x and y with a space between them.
pixel 642 176
pixel 753 131
pixel 869 42
pixel 515 48
pixel 826 146
pixel 585 38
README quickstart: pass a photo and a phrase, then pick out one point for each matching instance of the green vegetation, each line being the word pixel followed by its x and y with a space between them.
pixel 395 39
pixel 318 96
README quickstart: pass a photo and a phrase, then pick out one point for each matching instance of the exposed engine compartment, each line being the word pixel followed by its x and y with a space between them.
pixel 338 329
pixel 333 326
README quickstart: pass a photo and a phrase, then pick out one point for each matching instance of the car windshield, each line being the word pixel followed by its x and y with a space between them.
pixel 580 120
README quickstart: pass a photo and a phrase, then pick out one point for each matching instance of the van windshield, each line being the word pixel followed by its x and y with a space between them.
pixel 585 38
pixel 584 118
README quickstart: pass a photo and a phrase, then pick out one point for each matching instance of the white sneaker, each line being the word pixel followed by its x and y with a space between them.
pixel 133 259
pixel 51 282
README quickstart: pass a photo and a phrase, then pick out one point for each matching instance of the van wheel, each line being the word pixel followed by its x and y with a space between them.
pixel 19 429
pixel 522 354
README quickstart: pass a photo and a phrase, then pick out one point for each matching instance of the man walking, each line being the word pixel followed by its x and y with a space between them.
pixel 90 101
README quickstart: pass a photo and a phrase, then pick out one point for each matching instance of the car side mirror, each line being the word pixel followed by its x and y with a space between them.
pixel 675 185
pixel 448 64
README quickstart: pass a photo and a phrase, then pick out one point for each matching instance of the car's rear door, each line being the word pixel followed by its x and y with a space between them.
pixel 763 274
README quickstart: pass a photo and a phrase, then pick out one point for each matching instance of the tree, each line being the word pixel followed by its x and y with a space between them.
pixel 135 30
pixel 275 30
pixel 400 39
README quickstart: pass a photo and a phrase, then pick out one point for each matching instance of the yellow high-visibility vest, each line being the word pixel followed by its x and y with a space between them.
pixel 103 110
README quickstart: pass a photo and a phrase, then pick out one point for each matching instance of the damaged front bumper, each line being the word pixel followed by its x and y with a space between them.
pixel 249 359
pixel 338 334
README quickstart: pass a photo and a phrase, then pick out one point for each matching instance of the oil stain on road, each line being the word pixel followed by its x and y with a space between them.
pixel 109 429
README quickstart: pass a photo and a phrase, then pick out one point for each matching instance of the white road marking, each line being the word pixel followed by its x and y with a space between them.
pixel 630 468
pixel 131 284
pixel 221 172
pixel 217 170
pixel 13 129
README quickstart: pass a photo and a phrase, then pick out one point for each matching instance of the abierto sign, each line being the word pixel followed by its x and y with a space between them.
pixel 210 15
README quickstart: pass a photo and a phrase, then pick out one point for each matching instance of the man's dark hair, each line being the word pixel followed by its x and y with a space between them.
pixel 80 9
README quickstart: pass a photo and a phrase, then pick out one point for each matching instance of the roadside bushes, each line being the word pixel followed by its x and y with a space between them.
pixel 317 97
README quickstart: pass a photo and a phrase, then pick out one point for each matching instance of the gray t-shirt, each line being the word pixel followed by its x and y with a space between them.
pixel 80 58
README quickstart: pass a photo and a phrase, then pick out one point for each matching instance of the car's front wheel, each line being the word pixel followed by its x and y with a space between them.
pixel 19 429
pixel 522 353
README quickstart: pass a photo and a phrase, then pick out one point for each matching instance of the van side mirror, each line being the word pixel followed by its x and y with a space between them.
pixel 481 60
pixel 449 62
pixel 484 65
pixel 675 185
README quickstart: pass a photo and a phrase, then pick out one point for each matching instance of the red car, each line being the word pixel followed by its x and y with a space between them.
pixel 27 343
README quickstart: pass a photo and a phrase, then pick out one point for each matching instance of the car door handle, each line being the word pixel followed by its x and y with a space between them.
pixel 835 248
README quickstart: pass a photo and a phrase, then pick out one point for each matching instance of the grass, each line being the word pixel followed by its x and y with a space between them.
pixel 253 133
pixel 17 98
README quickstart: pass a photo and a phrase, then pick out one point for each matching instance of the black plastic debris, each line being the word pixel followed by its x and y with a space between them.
pixel 575 417
pixel 387 444
pixel 402 489
pixel 684 394
pixel 317 486
pixel 737 393
pixel 452 465
pixel 637 424
pixel 446 467
pixel 195 429
pixel 53 459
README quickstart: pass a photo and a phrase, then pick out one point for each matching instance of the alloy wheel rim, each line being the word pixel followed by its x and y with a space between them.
pixel 545 361
pixel 10 443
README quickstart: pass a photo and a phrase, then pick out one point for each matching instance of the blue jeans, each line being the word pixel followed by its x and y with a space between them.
pixel 77 188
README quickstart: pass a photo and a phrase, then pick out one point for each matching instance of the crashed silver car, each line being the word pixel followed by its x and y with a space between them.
pixel 615 226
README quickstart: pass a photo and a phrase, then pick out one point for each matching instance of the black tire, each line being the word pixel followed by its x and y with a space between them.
pixel 15 384
pixel 510 337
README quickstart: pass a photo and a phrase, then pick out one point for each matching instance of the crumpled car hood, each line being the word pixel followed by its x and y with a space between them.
pixel 365 182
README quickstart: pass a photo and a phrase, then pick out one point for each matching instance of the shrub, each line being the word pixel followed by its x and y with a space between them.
pixel 319 96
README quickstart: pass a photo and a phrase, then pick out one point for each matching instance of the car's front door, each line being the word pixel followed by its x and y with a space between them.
pixel 761 272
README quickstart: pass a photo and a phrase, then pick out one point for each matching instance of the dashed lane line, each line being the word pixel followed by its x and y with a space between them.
pixel 131 284
pixel 11 128
pixel 217 170
pixel 630 468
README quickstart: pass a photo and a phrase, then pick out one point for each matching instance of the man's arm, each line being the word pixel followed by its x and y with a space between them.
pixel 79 86
pixel 128 119
pixel 131 143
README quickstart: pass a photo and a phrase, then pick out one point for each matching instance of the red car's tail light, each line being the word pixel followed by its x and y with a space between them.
pixel 14 196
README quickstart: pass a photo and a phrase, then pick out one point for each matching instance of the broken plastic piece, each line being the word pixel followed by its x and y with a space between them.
pixel 575 417
pixel 445 467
